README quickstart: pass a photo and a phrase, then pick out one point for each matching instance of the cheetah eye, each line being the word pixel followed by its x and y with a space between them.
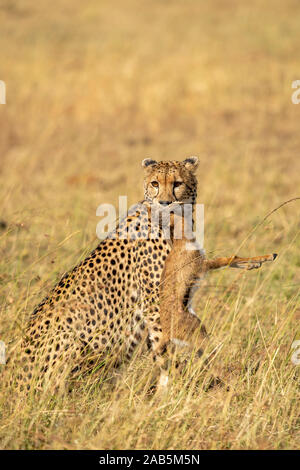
pixel 177 184
pixel 154 184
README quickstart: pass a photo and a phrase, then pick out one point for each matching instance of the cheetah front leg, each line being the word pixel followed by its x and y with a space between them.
pixel 167 335
pixel 156 342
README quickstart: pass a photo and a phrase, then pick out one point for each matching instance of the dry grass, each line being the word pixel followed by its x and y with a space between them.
pixel 94 87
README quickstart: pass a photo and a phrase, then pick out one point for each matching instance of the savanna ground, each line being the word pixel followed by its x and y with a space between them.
pixel 92 89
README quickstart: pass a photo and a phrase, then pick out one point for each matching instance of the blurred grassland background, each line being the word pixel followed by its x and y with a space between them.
pixel 93 88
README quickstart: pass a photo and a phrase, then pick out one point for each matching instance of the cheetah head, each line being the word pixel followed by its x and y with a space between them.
pixel 170 182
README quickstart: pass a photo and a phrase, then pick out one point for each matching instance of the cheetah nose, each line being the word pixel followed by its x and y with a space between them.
pixel 165 203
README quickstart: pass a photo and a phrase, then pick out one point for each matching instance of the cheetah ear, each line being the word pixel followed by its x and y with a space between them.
pixel 148 162
pixel 191 163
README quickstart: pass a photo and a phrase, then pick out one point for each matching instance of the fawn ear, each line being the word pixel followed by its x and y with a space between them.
pixel 191 163
pixel 148 162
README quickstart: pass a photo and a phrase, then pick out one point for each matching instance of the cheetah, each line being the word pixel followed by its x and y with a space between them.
pixel 106 306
